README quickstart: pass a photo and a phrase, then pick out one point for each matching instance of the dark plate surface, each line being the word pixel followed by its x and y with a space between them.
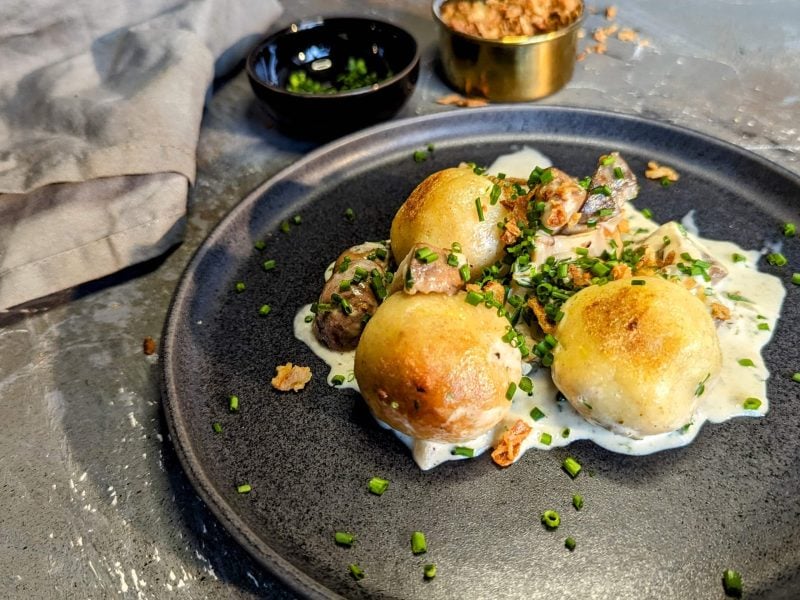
pixel 658 526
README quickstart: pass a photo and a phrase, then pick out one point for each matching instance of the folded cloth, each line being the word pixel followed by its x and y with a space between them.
pixel 100 110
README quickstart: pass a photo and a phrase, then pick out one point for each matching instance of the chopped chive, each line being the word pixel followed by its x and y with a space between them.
pixel 420 156
pixel 732 583
pixel 746 362
pixel 601 189
pixel 776 259
pixel 343 538
pixel 356 572
pixel 431 147
pixel 599 269
pixel 582 251
pixel 551 519
pixel 479 207
pixel 345 264
pixel 418 543
pixel 264 310
pixel 269 265
pixel 285 227
pixel 240 287
pixel 738 257
pixel 217 427
pixel 297 219
pixel 577 501
pixel 546 176
pixel 585 182
pixel 796 377
pixel 638 282
pixel 474 298
pixel 666 182
pixel 571 466
pixel 426 255
pixel 260 245
pixel 233 403
pixel 344 285
pixel 464 272
pixel 537 414
pixel 244 488
pixel 337 379
pixel 309 318
pixel 736 297
pixel 701 387
pixel 545 438
pixel 569 544
pixel 421 253
pixel 526 385
pixel 796 278
pixel 605 212
pixel 378 486
pixel 409 279
pixel 789 229
pixel 346 307
pixel 618 173
pixel 463 451
pixel 452 260
pixel 349 214
pixel 512 388
pixel 494 195
pixel 608 160
pixel 565 432
pixel 763 326
pixel 429 571
pixel 647 213
pixel 751 404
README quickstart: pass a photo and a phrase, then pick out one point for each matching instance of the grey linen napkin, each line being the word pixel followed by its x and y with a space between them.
pixel 100 110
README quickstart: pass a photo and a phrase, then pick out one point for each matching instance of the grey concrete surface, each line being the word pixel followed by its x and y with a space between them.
pixel 93 503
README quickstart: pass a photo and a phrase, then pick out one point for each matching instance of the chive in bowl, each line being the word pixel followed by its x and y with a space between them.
pixel 326 77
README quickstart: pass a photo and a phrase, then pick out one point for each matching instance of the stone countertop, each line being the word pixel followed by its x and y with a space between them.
pixel 94 503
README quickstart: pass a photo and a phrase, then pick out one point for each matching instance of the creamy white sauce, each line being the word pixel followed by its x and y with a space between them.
pixel 740 338
pixel 520 163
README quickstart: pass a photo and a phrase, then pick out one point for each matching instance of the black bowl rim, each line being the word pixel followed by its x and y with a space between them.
pixel 528 40
pixel 311 23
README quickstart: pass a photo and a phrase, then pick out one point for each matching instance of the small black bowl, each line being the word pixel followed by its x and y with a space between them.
pixel 322 48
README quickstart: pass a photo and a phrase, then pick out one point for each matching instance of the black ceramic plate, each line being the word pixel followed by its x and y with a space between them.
pixel 658 526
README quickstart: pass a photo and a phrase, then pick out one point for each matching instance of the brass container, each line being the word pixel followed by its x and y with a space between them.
pixel 514 69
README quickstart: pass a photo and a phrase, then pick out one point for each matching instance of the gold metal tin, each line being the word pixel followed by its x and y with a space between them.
pixel 514 69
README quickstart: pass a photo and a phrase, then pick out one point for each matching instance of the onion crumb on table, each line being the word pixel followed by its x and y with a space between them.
pixel 149 346
pixel 463 102
pixel 602 34
pixel 291 377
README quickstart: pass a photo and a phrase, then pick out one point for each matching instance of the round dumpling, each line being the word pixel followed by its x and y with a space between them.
pixel 434 367
pixel 442 210
pixel 632 358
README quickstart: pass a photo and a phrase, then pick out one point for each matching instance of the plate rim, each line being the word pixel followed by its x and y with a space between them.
pixel 295 579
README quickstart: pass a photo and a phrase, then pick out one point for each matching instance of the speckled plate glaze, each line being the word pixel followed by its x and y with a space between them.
pixel 658 526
